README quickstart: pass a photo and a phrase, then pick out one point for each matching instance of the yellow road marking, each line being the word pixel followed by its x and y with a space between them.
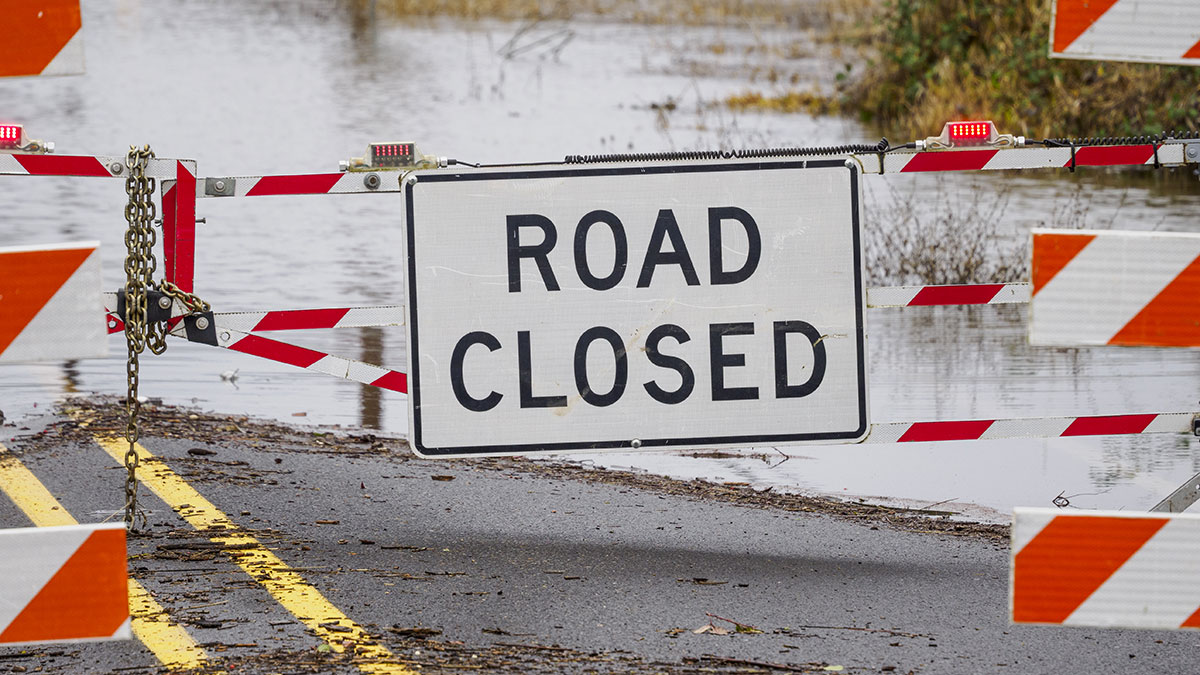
pixel 170 643
pixel 288 587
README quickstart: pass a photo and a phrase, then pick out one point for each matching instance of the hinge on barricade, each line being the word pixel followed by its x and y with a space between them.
pixel 158 306
pixel 201 327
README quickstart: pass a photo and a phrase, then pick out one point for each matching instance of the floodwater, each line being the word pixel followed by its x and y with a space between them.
pixel 293 87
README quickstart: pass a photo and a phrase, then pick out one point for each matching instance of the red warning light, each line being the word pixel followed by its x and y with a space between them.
pixel 967 133
pixel 391 154
pixel 10 135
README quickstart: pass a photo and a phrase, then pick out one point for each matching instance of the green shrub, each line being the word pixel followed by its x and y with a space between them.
pixel 933 61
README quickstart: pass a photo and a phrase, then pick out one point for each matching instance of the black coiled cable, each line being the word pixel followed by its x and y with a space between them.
pixel 850 149
pixel 1116 140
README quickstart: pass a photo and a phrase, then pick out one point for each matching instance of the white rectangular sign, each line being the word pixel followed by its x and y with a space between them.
pixel 633 306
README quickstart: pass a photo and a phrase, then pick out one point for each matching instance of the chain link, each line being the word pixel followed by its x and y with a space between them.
pixel 139 270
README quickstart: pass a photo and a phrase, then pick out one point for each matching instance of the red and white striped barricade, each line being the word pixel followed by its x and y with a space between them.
pixel 1150 31
pixel 50 306
pixel 1105 568
pixel 64 583
pixel 1115 288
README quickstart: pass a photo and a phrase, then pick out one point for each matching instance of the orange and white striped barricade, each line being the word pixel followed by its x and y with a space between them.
pixel 50 303
pixel 1115 288
pixel 41 37
pixel 64 583
pixel 1149 31
pixel 1105 568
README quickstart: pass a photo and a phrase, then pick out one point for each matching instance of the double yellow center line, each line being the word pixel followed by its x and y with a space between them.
pixel 170 643
pixel 288 587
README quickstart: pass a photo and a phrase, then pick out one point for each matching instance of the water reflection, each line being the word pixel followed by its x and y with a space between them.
pixel 286 87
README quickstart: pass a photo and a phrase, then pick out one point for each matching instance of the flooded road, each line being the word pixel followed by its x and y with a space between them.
pixel 270 88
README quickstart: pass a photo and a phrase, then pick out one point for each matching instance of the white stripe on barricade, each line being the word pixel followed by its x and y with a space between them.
pixel 64 583
pixel 1105 568
pixel 1033 427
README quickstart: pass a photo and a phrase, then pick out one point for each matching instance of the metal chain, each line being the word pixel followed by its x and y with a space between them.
pixel 191 302
pixel 139 268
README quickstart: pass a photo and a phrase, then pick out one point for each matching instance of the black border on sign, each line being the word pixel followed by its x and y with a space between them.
pixel 414 387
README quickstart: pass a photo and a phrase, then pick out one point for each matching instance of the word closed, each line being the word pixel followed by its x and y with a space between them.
pixel 691 304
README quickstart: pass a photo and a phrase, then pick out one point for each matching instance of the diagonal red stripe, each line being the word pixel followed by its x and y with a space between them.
pixel 1170 319
pixel 300 319
pixel 62 165
pixel 1052 252
pixel 1075 16
pixel 317 183
pixel 1069 559
pixel 1113 155
pixel 974 294
pixel 86 598
pixel 277 351
pixel 393 380
pixel 945 431
pixel 1193 52
pixel 954 160
pixel 1109 424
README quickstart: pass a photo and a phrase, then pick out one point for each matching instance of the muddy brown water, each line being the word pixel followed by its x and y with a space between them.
pixel 269 88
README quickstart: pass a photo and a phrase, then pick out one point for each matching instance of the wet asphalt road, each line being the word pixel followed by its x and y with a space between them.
pixel 503 555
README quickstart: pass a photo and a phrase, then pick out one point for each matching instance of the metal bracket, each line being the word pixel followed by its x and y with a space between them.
pixel 1191 153
pixel 220 187
pixel 201 328
pixel 155 312
pixel 1183 496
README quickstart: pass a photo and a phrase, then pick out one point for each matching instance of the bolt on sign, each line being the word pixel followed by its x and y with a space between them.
pixel 635 306
pixel 40 37
pixel 1150 31
pixel 64 583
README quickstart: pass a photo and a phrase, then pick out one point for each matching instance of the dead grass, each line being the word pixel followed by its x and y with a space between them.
pixel 931 61
pixel 813 103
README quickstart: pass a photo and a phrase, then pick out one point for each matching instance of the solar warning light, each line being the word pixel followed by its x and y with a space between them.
pixel 13 139
pixel 391 155
pixel 970 134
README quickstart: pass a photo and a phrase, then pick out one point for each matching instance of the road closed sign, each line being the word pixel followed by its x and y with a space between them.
pixel 634 306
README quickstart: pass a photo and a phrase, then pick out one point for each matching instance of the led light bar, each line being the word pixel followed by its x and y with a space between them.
pixel 968 134
pixel 11 136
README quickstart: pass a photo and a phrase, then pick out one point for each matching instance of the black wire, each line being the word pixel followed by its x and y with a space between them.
pixel 1114 140
pixel 849 149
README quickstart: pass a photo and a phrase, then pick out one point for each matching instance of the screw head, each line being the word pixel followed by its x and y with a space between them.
pixel 1193 151
pixel 116 168
pixel 202 323
pixel 636 443
pixel 219 185
pixel 372 181
pixel 164 302
pixel 225 337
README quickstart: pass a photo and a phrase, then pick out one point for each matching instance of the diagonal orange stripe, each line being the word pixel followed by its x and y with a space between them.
pixel 1075 16
pixel 1193 53
pixel 1192 621
pixel 1069 559
pixel 87 597
pixel 1170 319
pixel 1052 252
pixel 35 31
pixel 28 279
